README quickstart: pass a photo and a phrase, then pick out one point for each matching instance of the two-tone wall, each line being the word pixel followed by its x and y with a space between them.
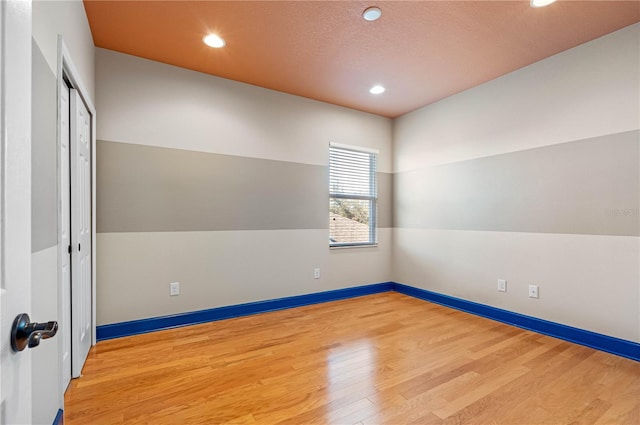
pixel 534 178
pixel 50 18
pixel 223 187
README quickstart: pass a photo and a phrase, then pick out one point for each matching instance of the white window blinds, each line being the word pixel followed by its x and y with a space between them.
pixel 352 197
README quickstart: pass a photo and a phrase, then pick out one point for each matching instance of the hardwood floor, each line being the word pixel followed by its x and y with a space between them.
pixel 381 359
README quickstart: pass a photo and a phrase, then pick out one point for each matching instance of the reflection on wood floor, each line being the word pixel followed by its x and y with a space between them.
pixel 380 359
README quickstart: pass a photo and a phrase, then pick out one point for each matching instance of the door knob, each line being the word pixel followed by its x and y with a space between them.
pixel 24 333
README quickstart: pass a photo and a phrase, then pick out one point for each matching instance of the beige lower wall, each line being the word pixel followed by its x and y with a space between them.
pixel 590 282
pixel 46 368
pixel 586 281
pixel 219 268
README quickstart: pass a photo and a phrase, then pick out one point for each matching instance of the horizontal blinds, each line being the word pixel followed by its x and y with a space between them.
pixel 352 200
pixel 352 173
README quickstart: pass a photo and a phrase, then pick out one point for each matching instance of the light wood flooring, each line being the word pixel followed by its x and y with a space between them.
pixel 380 359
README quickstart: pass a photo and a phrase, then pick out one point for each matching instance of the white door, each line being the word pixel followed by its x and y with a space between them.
pixel 15 205
pixel 65 236
pixel 81 296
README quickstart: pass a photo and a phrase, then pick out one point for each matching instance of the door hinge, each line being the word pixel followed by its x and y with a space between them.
pixel 69 249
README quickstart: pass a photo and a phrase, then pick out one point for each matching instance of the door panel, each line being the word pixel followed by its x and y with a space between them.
pixel 15 206
pixel 81 296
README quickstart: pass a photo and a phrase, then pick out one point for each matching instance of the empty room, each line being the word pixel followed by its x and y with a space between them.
pixel 320 212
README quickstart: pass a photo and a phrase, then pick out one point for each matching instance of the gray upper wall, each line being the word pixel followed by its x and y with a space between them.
pixel 44 219
pixel 152 189
pixel 589 186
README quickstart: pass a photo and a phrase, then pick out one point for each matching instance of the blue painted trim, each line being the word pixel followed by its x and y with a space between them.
pixel 594 340
pixel 598 341
pixel 59 420
pixel 135 327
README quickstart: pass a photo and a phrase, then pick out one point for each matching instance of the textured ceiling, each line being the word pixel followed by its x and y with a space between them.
pixel 421 51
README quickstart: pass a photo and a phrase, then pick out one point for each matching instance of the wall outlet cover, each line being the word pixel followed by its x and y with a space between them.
pixel 502 285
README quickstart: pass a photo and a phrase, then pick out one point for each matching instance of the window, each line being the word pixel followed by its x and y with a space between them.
pixel 353 196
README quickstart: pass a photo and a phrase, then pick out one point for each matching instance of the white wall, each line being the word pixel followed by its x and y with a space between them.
pixel 587 281
pixel 66 18
pixel 51 18
pixel 148 103
pixel 141 102
pixel 588 91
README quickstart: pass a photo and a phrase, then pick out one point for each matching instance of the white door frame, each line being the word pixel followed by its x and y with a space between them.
pixel 66 69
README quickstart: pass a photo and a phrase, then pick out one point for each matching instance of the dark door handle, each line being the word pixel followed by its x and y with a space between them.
pixel 24 332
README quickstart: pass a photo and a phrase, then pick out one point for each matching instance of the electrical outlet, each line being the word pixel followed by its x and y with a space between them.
pixel 533 291
pixel 316 273
pixel 502 285
pixel 174 289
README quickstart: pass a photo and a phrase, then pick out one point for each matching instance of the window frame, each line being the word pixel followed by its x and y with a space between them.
pixel 373 199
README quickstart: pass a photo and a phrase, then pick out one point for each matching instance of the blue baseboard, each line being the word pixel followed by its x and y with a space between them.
pixel 598 341
pixel 59 420
pixel 135 327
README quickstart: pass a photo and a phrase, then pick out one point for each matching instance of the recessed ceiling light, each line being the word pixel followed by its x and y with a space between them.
pixel 541 3
pixel 371 13
pixel 377 89
pixel 213 40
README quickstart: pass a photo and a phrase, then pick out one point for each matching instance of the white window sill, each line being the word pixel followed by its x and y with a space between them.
pixel 353 246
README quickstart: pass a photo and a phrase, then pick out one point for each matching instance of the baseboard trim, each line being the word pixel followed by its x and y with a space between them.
pixel 594 340
pixel 135 327
pixel 590 339
pixel 59 419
